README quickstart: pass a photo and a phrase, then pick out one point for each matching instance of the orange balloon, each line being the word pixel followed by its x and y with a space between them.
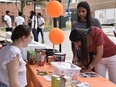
pixel 54 9
pixel 56 36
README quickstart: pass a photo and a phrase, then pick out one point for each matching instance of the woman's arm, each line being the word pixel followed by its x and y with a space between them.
pixel 74 60
pixel 98 56
pixel 6 23
pixel 12 68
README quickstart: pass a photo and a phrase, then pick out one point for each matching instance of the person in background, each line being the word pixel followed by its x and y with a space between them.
pixel 19 20
pixel 84 21
pixel 8 22
pixel 40 27
pixel 30 18
pixel 12 65
pixel 34 26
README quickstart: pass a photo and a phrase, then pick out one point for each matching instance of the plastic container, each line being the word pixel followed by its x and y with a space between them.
pixel 65 68
pixel 59 57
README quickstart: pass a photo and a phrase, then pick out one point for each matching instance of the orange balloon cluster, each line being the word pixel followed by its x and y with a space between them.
pixel 54 9
pixel 56 36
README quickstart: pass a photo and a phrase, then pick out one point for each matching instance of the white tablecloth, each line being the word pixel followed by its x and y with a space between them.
pixel 32 46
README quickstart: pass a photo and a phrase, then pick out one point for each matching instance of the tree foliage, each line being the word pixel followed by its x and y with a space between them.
pixel 40 3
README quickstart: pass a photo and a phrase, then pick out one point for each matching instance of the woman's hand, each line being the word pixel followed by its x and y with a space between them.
pixel 85 70
pixel 13 72
pixel 75 60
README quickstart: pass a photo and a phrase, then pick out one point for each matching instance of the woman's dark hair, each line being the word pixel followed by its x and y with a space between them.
pixel 80 35
pixel 20 31
pixel 85 5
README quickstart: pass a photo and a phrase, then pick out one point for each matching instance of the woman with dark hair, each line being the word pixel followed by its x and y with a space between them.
pixel 96 41
pixel 12 65
pixel 84 21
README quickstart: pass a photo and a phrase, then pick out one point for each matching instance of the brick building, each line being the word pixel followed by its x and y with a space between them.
pixel 94 4
pixel 11 6
pixel 97 4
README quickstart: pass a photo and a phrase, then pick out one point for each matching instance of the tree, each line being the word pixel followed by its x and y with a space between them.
pixel 41 3
pixel 22 5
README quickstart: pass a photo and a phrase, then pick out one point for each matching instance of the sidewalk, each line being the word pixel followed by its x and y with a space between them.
pixel 66 45
pixel 2 34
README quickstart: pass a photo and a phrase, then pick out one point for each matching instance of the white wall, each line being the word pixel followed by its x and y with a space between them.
pixel 106 16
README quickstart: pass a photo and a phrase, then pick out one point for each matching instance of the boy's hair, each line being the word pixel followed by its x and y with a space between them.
pixel 20 13
pixel 39 14
pixel 7 12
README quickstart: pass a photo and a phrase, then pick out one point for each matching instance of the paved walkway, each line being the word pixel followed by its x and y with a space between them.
pixel 66 45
